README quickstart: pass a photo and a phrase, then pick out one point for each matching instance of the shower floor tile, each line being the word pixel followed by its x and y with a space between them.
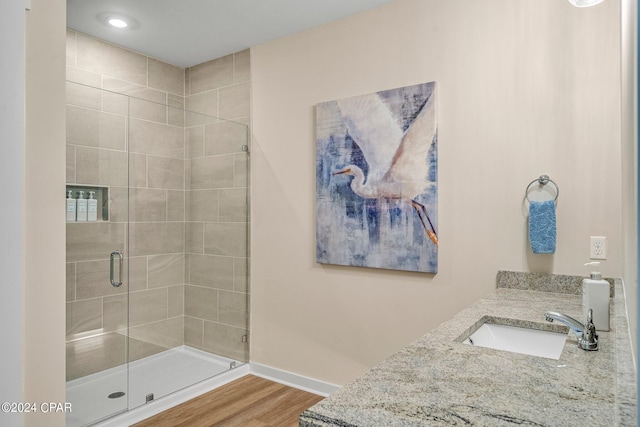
pixel 160 374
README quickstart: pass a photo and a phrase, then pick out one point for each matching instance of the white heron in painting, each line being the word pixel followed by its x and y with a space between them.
pixel 397 160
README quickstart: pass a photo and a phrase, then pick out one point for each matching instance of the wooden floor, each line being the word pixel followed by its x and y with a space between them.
pixel 247 402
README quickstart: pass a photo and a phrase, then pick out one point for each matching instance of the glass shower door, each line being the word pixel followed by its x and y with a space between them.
pixel 188 222
pixel 157 289
pixel 96 259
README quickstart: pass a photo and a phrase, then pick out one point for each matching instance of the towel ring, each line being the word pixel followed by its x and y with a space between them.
pixel 543 180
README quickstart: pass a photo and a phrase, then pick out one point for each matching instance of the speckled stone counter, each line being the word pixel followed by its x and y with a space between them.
pixel 439 381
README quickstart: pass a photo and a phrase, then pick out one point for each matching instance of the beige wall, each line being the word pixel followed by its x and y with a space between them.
pixel 12 85
pixel 525 88
pixel 43 362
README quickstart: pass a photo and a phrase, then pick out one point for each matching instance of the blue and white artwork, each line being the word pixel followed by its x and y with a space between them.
pixel 376 180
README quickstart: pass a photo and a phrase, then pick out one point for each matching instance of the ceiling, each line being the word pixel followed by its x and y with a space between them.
pixel 190 32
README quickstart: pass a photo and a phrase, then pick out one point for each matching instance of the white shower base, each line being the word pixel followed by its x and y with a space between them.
pixel 160 374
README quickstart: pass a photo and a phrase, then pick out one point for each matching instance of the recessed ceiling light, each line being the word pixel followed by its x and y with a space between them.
pixel 118 23
pixel 117 20
pixel 585 3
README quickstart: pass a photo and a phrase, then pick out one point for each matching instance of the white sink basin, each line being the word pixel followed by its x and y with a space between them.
pixel 518 340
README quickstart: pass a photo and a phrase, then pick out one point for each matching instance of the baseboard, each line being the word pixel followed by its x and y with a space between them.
pixel 290 379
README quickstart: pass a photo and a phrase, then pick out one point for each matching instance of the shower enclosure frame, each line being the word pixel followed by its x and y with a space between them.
pixel 207 267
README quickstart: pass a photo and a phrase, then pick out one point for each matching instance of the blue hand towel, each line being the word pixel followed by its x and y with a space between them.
pixel 542 227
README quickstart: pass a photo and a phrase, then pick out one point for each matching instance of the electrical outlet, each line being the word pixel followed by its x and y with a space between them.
pixel 598 247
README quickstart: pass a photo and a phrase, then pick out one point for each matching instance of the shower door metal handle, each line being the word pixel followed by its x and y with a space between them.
pixel 115 283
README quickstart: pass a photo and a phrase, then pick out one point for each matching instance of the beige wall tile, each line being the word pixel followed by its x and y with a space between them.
pixel 166 77
pixel 232 308
pixel 233 205
pixel 99 166
pixel 187 258
pixel 83 316
pixel 200 302
pixel 227 239
pixel 71 281
pixel 147 306
pixel 87 162
pixel 95 129
pixel 194 142
pixel 144 103
pixel 95 354
pixel 241 274
pixel 175 205
pixel 137 170
pixel 165 333
pixel 83 77
pixel 118 204
pixel 84 96
pixel 156 238
pixel 201 108
pixel 241 171
pixel 156 139
pixel 177 102
pixel 211 75
pixel 187 81
pixel 242 66
pixel 225 340
pixel 137 273
pixel 93 279
pixel 166 270
pixel 235 101
pixel 95 240
pixel 140 349
pixel 211 271
pixel 146 110
pixel 115 312
pixel 202 205
pixel 224 138
pixel 115 103
pixel 194 237
pixel 212 172
pixel 176 301
pixel 71 164
pixel 135 91
pixel 165 172
pixel 193 329
pixel 147 205
pixel 101 57
pixel 175 110
pixel 72 47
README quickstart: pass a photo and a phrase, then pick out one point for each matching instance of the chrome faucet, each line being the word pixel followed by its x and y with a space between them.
pixel 586 334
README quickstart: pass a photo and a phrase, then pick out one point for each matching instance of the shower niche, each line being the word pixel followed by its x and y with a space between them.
pixel 86 192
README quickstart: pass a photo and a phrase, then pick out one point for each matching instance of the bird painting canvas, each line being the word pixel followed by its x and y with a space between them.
pixel 376 180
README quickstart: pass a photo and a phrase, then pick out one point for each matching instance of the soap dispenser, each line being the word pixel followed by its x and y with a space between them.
pixel 82 207
pixel 92 207
pixel 595 296
pixel 71 207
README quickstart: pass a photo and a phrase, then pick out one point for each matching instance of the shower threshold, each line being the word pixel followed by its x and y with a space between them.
pixel 159 374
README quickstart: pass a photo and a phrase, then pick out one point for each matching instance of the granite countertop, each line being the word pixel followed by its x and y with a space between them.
pixel 439 381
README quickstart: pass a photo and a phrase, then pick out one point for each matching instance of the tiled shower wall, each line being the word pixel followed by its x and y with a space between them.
pixel 216 200
pixel 187 205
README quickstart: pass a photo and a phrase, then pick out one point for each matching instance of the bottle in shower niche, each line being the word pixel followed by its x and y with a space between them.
pixel 71 207
pixel 92 207
pixel 82 207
